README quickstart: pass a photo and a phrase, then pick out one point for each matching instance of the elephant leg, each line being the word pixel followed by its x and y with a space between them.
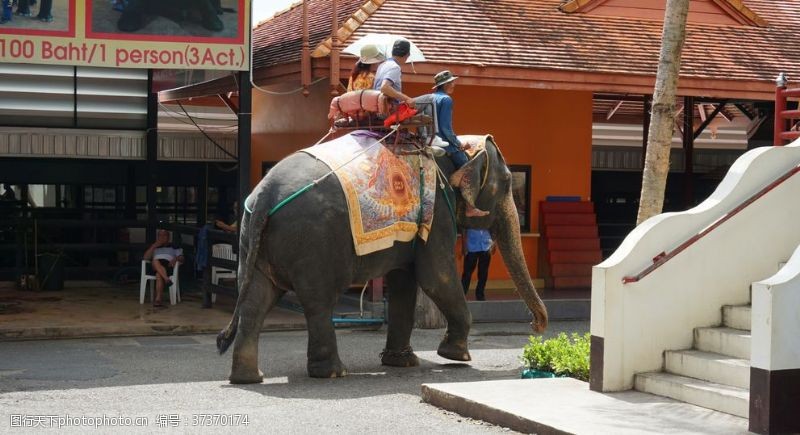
pixel 323 354
pixel 439 279
pixel 402 299
pixel 255 302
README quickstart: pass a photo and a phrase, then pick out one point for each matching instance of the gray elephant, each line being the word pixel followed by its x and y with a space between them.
pixel 307 246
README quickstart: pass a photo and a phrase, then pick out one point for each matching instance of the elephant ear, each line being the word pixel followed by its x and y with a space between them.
pixel 470 177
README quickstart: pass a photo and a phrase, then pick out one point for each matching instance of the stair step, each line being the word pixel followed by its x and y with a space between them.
pixel 711 367
pixel 723 398
pixel 566 207
pixel 573 257
pixel 588 244
pixel 737 316
pixel 570 231
pixel 572 282
pixel 569 219
pixel 725 341
pixel 571 269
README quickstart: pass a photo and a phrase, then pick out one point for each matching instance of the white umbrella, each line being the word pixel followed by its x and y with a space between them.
pixel 384 42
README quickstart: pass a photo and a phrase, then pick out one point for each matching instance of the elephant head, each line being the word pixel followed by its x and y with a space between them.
pixel 486 182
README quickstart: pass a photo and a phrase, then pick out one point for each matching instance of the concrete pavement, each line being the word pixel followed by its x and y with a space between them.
pixel 97 309
pixel 183 376
pixel 567 406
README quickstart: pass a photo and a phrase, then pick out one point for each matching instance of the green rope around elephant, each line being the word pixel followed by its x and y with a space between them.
pixel 304 189
pixel 290 198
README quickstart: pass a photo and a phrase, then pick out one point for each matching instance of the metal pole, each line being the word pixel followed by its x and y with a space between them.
pixel 152 156
pixel 243 140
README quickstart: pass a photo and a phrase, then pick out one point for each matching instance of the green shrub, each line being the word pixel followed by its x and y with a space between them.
pixel 564 355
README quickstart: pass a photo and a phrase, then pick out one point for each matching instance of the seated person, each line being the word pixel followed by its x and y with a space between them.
pixel 164 255
pixel 9 194
pixel 362 76
pixel 444 85
pixel 388 77
pixel 234 225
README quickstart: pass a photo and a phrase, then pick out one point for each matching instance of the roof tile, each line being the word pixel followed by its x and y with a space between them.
pixel 535 34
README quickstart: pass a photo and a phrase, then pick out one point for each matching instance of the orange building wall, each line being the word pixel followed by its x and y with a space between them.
pixel 283 124
pixel 551 131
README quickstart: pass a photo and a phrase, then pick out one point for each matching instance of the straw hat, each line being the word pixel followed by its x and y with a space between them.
pixel 371 54
pixel 443 77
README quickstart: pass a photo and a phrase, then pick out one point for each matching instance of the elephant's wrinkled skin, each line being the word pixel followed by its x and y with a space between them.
pixel 307 247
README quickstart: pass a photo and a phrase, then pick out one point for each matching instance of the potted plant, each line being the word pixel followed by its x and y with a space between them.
pixel 565 355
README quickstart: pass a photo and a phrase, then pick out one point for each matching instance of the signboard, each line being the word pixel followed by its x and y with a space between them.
pixel 179 34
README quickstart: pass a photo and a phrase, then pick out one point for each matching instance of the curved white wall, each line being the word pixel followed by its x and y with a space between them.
pixel 776 319
pixel 639 321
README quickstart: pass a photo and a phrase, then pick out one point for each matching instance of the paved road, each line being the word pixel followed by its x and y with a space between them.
pixel 181 381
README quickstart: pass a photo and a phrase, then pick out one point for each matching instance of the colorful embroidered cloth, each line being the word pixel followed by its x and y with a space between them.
pixel 382 190
pixel 477 143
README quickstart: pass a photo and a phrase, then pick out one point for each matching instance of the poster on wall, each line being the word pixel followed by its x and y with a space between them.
pixel 164 34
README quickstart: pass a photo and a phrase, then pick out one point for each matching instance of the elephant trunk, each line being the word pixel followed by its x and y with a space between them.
pixel 508 239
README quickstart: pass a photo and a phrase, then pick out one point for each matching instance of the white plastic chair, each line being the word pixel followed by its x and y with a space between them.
pixel 174 290
pixel 224 251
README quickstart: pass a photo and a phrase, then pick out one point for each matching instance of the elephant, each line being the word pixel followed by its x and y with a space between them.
pixel 134 15
pixel 307 246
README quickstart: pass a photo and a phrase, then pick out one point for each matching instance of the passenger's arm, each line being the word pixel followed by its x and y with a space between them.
pixel 445 109
pixel 389 91
pixel 148 254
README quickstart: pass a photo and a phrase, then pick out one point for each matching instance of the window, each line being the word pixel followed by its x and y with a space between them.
pixel 521 191
pixel 177 204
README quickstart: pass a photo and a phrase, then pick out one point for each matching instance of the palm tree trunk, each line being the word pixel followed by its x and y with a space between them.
pixel 656 165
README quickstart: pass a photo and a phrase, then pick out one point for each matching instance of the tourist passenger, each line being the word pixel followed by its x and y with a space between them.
pixel 388 78
pixel 362 76
pixel 164 256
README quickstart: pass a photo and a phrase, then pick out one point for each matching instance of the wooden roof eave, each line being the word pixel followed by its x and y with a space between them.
pixel 515 77
pixel 735 8
pixel 222 85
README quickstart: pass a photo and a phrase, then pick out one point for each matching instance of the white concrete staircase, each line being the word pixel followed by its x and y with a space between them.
pixel 715 373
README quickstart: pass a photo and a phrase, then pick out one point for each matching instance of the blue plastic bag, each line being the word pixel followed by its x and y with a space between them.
pixel 536 374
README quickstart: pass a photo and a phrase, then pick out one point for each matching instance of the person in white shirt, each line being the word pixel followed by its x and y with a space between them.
pixel 164 256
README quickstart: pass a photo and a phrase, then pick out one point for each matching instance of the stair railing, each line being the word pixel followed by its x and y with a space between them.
pixel 660 259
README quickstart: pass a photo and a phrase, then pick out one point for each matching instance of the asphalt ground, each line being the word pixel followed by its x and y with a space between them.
pixel 179 384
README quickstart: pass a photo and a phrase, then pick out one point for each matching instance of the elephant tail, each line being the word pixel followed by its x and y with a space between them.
pixel 254 224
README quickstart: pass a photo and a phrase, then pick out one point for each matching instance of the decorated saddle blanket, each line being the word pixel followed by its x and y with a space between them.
pixel 390 196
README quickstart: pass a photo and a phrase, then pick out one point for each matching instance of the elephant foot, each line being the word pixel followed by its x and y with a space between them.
pixel 455 351
pixel 246 377
pixel 399 358
pixel 326 369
